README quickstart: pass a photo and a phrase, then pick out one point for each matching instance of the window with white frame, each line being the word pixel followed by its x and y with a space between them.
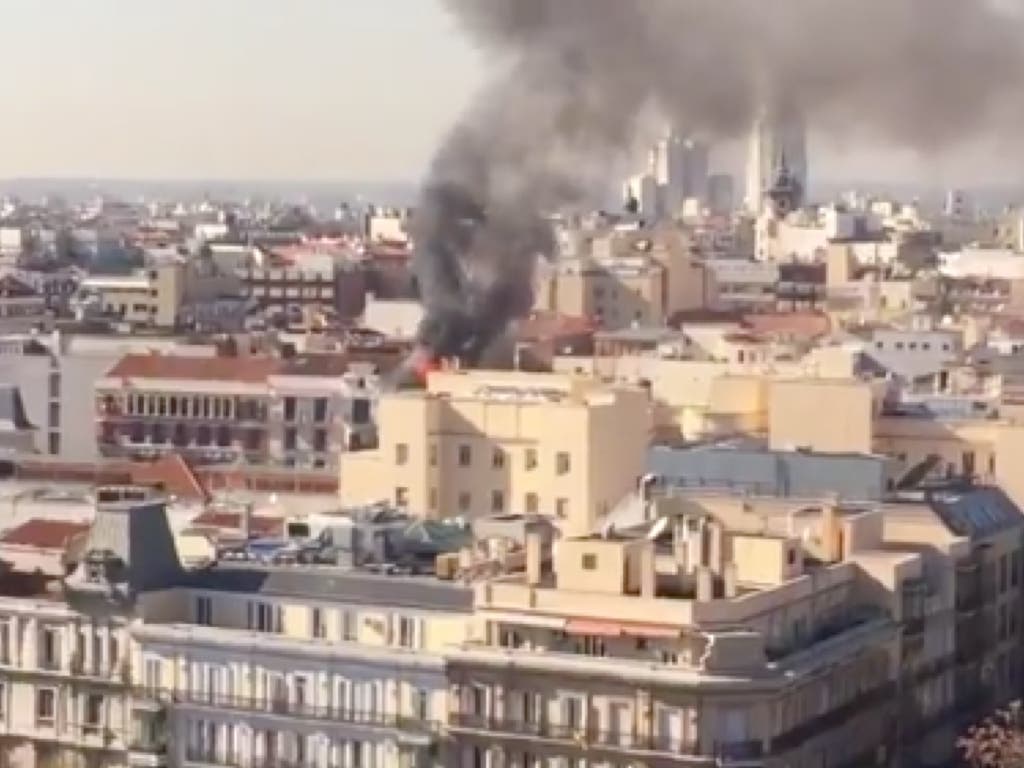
pixel 46 705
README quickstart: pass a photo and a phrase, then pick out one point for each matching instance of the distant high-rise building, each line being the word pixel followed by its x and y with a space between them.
pixel 776 142
pixel 677 171
pixel 959 205
pixel 640 195
pixel 721 194
pixel 680 165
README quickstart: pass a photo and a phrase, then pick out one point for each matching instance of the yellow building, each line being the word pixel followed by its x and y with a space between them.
pixel 479 443
pixel 747 631
pixel 628 278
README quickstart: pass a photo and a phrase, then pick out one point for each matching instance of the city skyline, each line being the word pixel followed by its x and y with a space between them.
pixel 327 92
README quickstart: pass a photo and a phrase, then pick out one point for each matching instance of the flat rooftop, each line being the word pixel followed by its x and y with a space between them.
pixel 334 584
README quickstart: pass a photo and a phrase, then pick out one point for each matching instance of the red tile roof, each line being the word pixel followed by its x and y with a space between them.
pixel 251 370
pixel 171 473
pixel 552 325
pixel 44 534
pixel 803 324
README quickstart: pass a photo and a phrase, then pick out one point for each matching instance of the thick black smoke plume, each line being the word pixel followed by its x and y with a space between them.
pixel 575 76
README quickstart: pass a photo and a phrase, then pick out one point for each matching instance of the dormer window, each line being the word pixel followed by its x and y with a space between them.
pixel 94 572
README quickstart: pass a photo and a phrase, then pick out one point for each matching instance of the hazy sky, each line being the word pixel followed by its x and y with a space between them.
pixel 327 89
pixel 268 89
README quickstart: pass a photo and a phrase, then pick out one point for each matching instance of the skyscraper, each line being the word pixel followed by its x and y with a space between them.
pixel 678 168
pixel 777 140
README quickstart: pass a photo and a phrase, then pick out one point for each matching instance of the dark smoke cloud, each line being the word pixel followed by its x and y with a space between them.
pixel 576 76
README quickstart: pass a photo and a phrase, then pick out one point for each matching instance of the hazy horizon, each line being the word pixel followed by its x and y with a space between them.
pixel 328 92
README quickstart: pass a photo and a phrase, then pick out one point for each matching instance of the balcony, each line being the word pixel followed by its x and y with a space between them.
pixel 217 757
pixel 282 707
pixel 583 737
pixel 739 752
pixel 835 718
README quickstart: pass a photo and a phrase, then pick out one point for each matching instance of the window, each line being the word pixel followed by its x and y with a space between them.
pixel 349 626
pixel 401 497
pixel 562 508
pixel 204 435
pixel 204 611
pixel 49 648
pixel 53 443
pixel 406 632
pixel 590 562
pixel 465 502
pixel 5 642
pixel 54 384
pixel 264 617
pixel 465 456
pixel 291 438
pixel 432 499
pixel 498 458
pixel 289 409
pixel 320 441
pixel 401 454
pixel 223 436
pixel 419 702
pixel 152 674
pixel 318 627
pixel 46 705
pixel 320 410
pixel 497 501
pixel 532 504
pixel 433 455
pixel 54 415
pixel 93 710
pixel 360 411
pixel 562 463
pixel 531 458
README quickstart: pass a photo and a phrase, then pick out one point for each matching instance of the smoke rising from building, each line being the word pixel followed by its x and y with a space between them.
pixel 575 76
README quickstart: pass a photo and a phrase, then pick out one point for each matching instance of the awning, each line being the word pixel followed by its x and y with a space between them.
pixel 605 628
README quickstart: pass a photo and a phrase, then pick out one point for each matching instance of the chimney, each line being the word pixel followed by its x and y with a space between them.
pixel 534 556
pixel 715 535
pixel 695 540
pixel 831 532
pixel 705 585
pixel 679 548
pixel 730 580
pixel 648 572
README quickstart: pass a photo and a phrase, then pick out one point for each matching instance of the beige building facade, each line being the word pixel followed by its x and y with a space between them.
pixel 480 443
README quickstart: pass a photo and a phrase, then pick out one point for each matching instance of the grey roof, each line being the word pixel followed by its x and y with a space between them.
pixel 12 409
pixel 976 512
pixel 323 583
pixel 132 538
pixel 853 477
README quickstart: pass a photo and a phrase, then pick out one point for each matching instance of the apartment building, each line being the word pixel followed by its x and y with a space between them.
pixel 299 412
pixel 628 278
pixel 477 443
pixel 163 295
pixel 302 277
pixel 739 630
pixel 22 307
pixel 66 599
pixel 301 666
